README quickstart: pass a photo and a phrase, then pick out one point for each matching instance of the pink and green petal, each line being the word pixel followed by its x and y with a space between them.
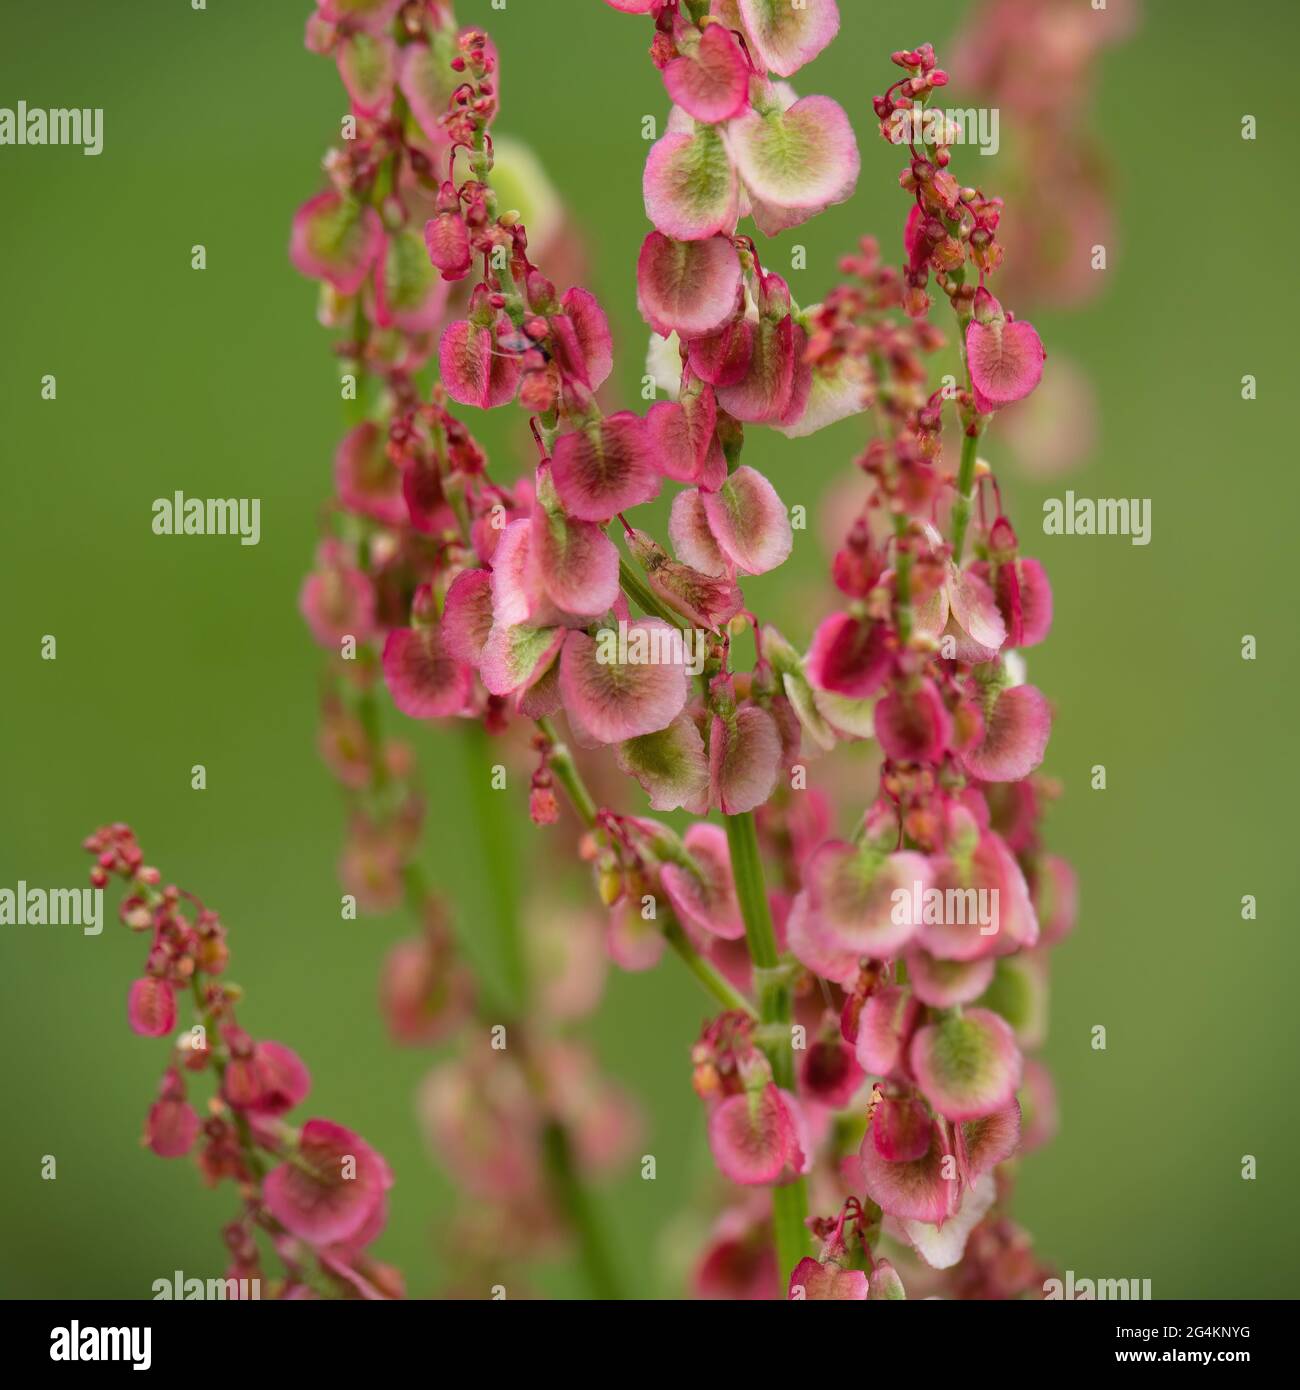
pixel 913 1189
pixel 574 561
pixel 762 394
pixel 467 615
pixel 865 899
pixel 744 760
pixel 913 724
pixel 688 528
pixel 827 1282
pixel 335 238
pixel 749 521
pixel 604 467
pixel 884 1029
pixel 614 700
pixel 368 66
pixel 423 679
pixel 517 657
pixel 704 896
pixel 409 292
pixel 803 157
pixel 427 81
pixel 786 36
pixel 474 370
pixel 945 983
pixel 690 188
pixel 681 434
pixel 330 1190
pixel 366 479
pixel 671 765
pixel 592 329
pixel 687 287
pixel 753 1137
pixel 849 656
pixel 710 82
pixel 813 948
pixel 967 1065
pixel 975 610
pixel 1016 731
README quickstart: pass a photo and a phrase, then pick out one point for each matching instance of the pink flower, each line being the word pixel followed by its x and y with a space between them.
pixel 967 1065
pixel 754 1136
pixel 151 1007
pixel 702 890
pixel 172 1125
pixel 687 287
pixel 336 239
pixel 337 599
pixel 330 1186
pixel 742 526
pixel 425 993
pixel 812 1279
pixel 709 79
pixel 1005 356
pixel 365 477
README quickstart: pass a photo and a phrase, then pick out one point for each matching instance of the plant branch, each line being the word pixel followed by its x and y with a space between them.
pixel 789 1203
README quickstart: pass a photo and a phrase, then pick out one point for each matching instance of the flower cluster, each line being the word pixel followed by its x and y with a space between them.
pixel 522 1115
pixel 876 1002
pixel 315 1192
pixel 1033 60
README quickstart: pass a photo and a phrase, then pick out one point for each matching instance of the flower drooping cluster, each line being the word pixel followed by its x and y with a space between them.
pixel 313 1192
pixel 878 999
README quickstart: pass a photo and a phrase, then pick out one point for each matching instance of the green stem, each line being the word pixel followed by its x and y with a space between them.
pixel 706 972
pixel 499 852
pixel 566 773
pixel 961 504
pixel 566 1182
pixel 246 1143
pixel 562 765
pixel 789 1203
pixel 576 1203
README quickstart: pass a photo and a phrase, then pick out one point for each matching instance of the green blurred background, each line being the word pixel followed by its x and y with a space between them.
pixel 221 383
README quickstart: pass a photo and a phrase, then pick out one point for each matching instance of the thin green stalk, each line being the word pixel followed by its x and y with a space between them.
pixel 789 1203
pixel 562 1171
pixel 562 765
pixel 961 503
pixel 582 1215
pixel 566 773
pixel 499 852
pixel 705 972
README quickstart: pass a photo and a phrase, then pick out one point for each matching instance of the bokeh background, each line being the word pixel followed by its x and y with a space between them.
pixel 221 383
